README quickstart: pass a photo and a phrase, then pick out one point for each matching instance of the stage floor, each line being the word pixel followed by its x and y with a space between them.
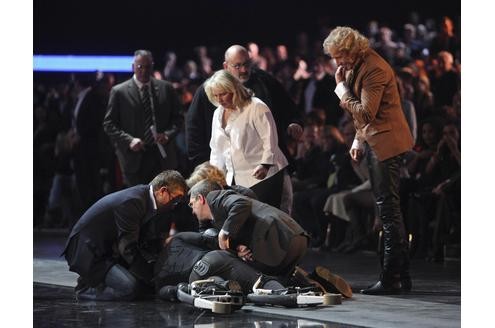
pixel 434 302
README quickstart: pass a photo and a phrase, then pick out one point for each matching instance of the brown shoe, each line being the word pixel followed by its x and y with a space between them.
pixel 300 278
pixel 331 282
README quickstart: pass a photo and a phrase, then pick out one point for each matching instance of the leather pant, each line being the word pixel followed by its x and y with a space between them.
pixel 385 177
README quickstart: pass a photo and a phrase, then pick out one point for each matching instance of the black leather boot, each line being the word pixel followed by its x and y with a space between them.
pixel 383 288
pixel 405 276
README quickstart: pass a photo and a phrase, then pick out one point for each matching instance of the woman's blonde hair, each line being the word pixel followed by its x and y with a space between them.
pixel 222 80
pixel 346 40
pixel 206 171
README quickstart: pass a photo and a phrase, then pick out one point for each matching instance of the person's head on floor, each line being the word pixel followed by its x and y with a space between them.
pixel 206 171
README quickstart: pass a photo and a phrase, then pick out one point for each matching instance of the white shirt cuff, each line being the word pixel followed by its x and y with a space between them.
pixel 226 233
pixel 340 90
pixel 357 145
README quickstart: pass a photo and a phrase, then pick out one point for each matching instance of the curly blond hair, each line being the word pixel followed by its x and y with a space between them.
pixel 346 40
pixel 206 171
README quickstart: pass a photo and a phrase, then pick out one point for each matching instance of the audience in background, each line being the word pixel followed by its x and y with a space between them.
pixel 427 64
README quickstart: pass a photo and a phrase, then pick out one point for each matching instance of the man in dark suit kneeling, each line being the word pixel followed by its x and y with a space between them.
pixel 108 246
pixel 264 237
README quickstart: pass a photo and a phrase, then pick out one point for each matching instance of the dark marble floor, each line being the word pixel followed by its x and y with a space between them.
pixel 54 306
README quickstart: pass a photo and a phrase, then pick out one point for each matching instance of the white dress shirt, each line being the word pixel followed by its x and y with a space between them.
pixel 248 140
pixel 340 90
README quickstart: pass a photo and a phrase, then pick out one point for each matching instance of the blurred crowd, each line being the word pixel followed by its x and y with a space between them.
pixel 333 200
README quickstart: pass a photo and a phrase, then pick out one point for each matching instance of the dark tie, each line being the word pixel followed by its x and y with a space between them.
pixel 148 115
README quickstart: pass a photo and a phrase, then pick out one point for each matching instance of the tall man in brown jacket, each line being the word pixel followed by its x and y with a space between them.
pixel 367 89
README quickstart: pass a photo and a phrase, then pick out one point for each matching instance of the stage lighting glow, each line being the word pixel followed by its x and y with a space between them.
pixel 72 63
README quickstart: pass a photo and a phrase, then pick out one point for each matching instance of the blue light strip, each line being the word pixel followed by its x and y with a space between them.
pixel 70 63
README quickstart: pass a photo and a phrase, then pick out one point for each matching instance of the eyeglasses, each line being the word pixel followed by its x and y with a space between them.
pixel 143 66
pixel 174 199
pixel 191 202
pixel 238 66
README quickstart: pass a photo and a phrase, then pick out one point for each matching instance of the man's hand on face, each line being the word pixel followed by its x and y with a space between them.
pixel 340 74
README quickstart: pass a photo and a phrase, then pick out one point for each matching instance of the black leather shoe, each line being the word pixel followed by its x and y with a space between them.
pixel 88 294
pixel 380 288
pixel 168 293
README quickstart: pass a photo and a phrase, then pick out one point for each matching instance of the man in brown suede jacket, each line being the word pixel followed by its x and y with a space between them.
pixel 368 91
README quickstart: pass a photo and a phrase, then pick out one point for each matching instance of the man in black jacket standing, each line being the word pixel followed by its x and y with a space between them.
pixel 108 246
pixel 266 87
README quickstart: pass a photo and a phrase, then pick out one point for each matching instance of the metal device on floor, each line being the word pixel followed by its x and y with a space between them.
pixel 224 297
pixel 219 297
pixel 292 296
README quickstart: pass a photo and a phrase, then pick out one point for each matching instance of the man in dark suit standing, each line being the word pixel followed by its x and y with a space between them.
pixel 264 237
pixel 109 246
pixel 200 113
pixel 134 107
pixel 368 91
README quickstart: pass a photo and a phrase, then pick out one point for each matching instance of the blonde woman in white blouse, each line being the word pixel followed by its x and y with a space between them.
pixel 244 142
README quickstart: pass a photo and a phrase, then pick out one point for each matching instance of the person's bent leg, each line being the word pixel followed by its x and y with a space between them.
pixel 119 285
pixel 226 266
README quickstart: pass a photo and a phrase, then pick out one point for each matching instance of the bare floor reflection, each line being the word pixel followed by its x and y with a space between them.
pixel 56 307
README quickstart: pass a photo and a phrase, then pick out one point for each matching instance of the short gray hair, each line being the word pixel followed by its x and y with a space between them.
pixel 203 188
pixel 143 53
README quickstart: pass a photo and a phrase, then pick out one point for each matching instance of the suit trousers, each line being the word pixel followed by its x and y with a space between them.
pixel 150 166
pixel 119 285
pixel 385 177
pixel 295 251
pixel 226 265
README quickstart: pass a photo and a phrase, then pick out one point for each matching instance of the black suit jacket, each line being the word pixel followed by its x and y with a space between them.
pixel 111 232
pixel 124 120
pixel 266 230
pixel 200 114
